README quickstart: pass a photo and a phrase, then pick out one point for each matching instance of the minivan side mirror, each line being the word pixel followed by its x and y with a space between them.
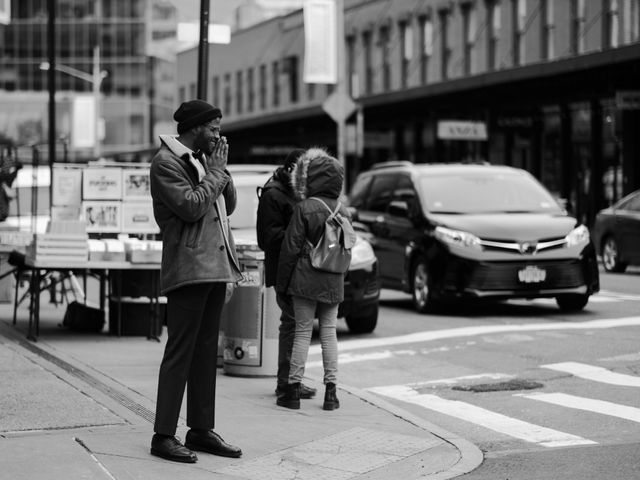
pixel 399 208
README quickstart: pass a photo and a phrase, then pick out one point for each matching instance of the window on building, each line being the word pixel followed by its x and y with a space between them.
pixel 384 45
pixel 426 47
pixel 352 76
pixel 494 24
pixel 227 92
pixel 469 37
pixel 182 94
pixel 577 30
pixel 263 87
pixel 406 51
pixel 546 30
pixel 631 19
pixel 368 68
pixel 251 94
pixel 275 79
pixel 215 91
pixel 192 91
pixel 611 24
pixel 239 92
pixel 291 70
pixel 519 17
pixel 445 46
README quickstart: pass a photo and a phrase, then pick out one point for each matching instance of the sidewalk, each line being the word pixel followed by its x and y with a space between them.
pixel 81 406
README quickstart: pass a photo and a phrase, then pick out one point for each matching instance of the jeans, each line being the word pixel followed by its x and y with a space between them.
pixel 286 334
pixel 327 313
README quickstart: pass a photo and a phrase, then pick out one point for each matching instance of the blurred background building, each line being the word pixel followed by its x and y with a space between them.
pixel 547 85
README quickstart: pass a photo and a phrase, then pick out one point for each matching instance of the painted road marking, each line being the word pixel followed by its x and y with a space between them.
pixel 497 422
pixel 430 336
pixel 587 404
pixel 596 374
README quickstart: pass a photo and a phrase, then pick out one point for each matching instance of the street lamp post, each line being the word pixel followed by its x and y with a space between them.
pixel 95 78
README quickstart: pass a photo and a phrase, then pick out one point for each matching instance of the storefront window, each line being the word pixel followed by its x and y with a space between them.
pixel 551 167
pixel 611 158
pixel 581 156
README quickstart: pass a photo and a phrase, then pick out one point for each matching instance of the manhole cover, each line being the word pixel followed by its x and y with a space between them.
pixel 514 384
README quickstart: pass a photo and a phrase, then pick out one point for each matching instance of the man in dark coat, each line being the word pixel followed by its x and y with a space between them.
pixel 274 212
pixel 193 193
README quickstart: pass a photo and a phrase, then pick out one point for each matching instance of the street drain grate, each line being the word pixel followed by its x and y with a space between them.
pixel 514 384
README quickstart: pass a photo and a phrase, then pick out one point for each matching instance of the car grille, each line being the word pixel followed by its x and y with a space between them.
pixel 504 276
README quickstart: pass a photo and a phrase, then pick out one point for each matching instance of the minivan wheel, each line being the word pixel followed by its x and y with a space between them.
pixel 611 256
pixel 364 321
pixel 572 303
pixel 422 298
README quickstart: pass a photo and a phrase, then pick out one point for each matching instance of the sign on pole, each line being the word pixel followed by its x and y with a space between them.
pixel 320 41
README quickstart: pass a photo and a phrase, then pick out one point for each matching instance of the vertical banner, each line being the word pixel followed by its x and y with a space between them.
pixel 83 130
pixel 320 41
pixel 5 12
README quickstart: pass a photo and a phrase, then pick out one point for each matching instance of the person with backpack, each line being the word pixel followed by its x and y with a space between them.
pixel 275 206
pixel 316 178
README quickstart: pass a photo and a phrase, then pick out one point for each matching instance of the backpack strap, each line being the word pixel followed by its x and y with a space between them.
pixel 333 212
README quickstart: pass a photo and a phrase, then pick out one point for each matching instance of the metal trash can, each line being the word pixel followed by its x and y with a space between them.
pixel 250 320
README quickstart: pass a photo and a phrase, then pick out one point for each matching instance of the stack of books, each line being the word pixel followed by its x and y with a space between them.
pixel 64 243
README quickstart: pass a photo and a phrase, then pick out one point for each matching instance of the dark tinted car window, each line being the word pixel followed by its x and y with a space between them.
pixel 358 194
pixel 486 192
pixel 381 192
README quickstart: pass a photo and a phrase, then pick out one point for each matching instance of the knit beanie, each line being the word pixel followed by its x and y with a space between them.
pixel 194 113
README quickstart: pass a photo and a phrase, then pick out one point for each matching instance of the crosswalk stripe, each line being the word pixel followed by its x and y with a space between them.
pixel 588 404
pixel 512 427
pixel 596 374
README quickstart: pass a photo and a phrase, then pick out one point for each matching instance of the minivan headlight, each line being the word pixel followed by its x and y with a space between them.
pixel 577 236
pixel 362 254
pixel 457 238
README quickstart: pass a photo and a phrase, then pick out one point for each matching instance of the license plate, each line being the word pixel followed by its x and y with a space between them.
pixel 532 275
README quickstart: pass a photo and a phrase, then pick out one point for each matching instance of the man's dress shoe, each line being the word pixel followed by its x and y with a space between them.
pixel 170 448
pixel 210 442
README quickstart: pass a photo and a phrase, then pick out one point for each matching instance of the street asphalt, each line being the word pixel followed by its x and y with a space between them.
pixel 81 406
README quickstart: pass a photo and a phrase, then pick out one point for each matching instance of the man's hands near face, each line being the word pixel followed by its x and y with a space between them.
pixel 218 158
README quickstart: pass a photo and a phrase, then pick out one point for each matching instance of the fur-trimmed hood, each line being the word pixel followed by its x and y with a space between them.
pixel 316 173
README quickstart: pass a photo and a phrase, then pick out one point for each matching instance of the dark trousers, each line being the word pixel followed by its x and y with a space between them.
pixel 286 334
pixel 190 357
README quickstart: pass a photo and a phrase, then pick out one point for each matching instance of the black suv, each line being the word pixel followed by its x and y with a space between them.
pixel 447 231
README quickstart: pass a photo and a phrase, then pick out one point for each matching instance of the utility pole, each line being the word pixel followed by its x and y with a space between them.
pixel 203 50
pixel 51 85
pixel 341 86
pixel 95 83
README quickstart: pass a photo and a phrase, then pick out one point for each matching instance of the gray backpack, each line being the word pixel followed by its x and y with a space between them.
pixel 332 253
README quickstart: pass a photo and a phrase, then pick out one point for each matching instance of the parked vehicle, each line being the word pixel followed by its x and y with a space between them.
pixel 616 233
pixel 361 286
pixel 454 231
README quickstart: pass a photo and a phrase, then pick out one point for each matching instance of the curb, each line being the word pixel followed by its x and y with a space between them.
pixel 471 457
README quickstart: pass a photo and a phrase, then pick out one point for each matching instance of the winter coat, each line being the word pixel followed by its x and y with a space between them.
pixel 315 175
pixel 197 246
pixel 275 208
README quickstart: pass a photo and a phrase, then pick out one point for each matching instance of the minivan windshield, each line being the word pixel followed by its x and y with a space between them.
pixel 485 192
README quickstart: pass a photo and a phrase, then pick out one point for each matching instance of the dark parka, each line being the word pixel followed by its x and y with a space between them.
pixel 315 174
pixel 197 245
pixel 275 208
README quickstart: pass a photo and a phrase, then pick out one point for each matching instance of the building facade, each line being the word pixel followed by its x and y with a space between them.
pixel 133 95
pixel 551 86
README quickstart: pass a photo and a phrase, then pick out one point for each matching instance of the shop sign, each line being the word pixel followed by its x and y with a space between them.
pixel 462 130
pixel 628 99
